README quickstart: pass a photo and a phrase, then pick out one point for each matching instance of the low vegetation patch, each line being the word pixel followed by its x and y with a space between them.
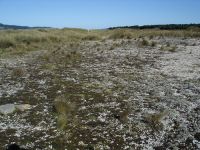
pixel 121 34
pixel 143 42
pixel 60 57
pixel 168 47
pixel 64 110
pixel 91 38
pixel 154 120
pixel 18 72
pixel 19 42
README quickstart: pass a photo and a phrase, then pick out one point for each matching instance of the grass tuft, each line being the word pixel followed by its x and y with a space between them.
pixel 18 72
pixel 143 43
pixel 155 119
pixel 91 38
pixel 121 34
pixel 64 110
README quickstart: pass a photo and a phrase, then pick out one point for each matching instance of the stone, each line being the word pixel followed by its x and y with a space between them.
pixel 11 108
pixel 23 107
pixel 7 109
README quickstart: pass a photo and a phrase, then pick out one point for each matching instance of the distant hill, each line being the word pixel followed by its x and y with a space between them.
pixel 4 26
pixel 161 27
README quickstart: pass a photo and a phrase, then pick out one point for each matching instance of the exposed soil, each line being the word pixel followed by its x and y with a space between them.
pixel 126 97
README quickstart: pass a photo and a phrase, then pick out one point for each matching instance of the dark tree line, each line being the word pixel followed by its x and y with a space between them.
pixel 4 26
pixel 161 27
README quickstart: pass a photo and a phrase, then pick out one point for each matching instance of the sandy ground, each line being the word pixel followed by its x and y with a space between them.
pixel 127 97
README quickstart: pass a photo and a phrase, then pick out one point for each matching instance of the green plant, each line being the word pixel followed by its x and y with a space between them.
pixel 62 106
pixel 62 121
pixel 65 111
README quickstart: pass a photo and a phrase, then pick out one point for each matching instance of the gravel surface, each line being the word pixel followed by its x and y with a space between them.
pixel 125 97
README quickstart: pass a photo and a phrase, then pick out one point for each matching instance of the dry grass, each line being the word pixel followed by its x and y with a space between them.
pixel 22 41
pixel 168 47
pixel 14 42
pixel 91 38
pixel 121 34
pixel 143 43
pixel 61 57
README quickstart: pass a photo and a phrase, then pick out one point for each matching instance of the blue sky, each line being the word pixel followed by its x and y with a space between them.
pixel 98 13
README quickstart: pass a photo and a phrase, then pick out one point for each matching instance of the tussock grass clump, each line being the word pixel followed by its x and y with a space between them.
pixel 28 39
pixel 122 116
pixel 172 49
pixel 6 43
pixel 155 119
pixel 143 43
pixel 18 72
pixel 61 57
pixel 114 45
pixel 65 111
pixel 169 47
pixel 121 34
pixel 63 106
pixel 91 38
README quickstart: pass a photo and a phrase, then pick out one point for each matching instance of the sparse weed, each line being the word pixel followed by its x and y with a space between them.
pixel 114 45
pixel 169 48
pixel 143 43
pixel 61 57
pixel 172 49
pixel 6 43
pixel 18 72
pixel 155 119
pixel 65 111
